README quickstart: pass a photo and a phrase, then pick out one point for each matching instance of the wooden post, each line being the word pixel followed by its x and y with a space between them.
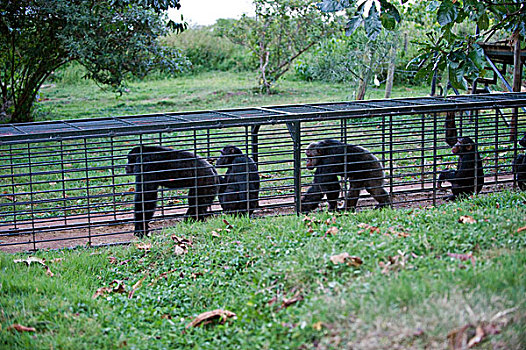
pixel 517 72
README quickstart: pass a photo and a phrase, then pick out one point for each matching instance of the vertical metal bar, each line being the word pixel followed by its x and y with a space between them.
pixel 391 157
pixel 255 143
pixel 247 170
pixel 297 165
pixel 477 143
pixel 13 187
pixel 496 148
pixel 422 152
pixel 142 204
pixel 113 185
pixel 86 172
pixel 63 175
pixel 435 142
pixel 161 189
pixel 195 176
pixel 345 162
pixel 31 192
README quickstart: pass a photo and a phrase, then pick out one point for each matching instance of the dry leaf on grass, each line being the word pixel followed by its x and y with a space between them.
pixel 19 328
pixel 181 244
pixel 209 316
pixel 146 246
pixel 34 259
pixel 136 286
pixel 394 263
pixel 116 286
pixel 370 228
pixel 466 219
pixel 331 230
pixel 520 229
pixel 468 336
pixel 463 257
pixel 345 258
pixel 289 301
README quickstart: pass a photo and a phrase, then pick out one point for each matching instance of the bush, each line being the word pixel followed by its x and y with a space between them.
pixel 206 50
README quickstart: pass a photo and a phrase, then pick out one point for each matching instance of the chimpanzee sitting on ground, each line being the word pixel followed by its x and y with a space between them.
pixel 469 176
pixel 333 158
pixel 155 166
pixel 238 193
pixel 519 166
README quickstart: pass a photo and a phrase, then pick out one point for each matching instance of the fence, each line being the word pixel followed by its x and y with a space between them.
pixel 63 183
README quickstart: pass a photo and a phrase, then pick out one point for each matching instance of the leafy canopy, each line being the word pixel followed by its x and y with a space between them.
pixel 110 38
pixel 459 56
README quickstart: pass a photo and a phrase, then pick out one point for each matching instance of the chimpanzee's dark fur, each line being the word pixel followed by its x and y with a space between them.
pixel 155 166
pixel 333 158
pixel 238 193
pixel 519 166
pixel 469 176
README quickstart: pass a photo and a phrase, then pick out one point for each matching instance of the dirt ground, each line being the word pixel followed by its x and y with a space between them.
pixel 122 232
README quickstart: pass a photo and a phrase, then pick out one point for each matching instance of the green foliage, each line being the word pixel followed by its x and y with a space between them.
pixel 111 39
pixel 280 32
pixel 439 276
pixel 341 58
pixel 207 50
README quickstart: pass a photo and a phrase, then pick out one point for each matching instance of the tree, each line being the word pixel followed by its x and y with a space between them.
pixel 110 38
pixel 280 32
pixel 458 57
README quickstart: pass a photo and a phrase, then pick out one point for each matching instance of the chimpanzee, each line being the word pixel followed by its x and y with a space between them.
pixel 155 166
pixel 333 158
pixel 519 166
pixel 469 176
pixel 238 193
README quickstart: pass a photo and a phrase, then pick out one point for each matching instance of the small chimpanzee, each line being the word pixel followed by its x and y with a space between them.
pixel 519 166
pixel 469 176
pixel 333 158
pixel 238 193
pixel 155 166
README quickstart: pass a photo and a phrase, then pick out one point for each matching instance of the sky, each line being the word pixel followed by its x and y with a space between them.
pixel 206 12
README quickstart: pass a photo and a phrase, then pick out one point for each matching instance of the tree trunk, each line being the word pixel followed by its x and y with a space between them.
pixel 390 78
pixel 517 71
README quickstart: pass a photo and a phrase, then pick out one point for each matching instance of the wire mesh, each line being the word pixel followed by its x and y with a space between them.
pixel 65 184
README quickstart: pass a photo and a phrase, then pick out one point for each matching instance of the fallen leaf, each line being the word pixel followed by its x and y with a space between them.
pixel 112 259
pixel 34 259
pixel 463 257
pixel 227 224
pixel 116 286
pixel 479 335
pixel 331 230
pixel 519 230
pixel 146 246
pixel 215 234
pixel 209 316
pixel 318 325
pixel 19 328
pixel 288 302
pixel 466 219
pixel 345 258
pixel 372 229
pixel 457 338
pixel 136 286
pixel 178 250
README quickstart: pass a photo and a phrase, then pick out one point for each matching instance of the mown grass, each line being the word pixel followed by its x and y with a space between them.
pixel 203 91
pixel 409 292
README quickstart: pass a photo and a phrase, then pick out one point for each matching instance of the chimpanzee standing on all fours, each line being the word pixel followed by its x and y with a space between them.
pixel 155 166
pixel 333 159
pixel 469 176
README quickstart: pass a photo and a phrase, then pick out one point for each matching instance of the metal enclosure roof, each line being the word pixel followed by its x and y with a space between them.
pixel 125 125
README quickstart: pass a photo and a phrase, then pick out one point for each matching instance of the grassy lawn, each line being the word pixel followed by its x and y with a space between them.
pixel 212 90
pixel 425 273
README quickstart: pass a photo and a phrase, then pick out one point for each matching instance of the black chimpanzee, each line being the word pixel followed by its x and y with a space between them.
pixel 333 158
pixel 238 193
pixel 519 166
pixel 469 176
pixel 155 166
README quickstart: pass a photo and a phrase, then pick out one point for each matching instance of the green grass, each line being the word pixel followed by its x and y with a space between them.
pixel 204 91
pixel 411 304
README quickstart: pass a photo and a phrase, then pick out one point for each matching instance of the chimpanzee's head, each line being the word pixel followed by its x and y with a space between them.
pixel 227 156
pixel 314 153
pixel 464 145
pixel 522 141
